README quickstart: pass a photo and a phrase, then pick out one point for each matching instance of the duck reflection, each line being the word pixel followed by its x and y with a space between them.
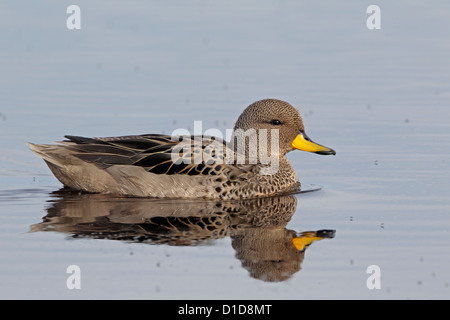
pixel 257 227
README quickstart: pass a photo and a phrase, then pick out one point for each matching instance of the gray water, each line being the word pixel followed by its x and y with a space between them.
pixel 380 98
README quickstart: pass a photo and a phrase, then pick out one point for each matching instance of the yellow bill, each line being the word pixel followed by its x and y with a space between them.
pixel 306 238
pixel 303 142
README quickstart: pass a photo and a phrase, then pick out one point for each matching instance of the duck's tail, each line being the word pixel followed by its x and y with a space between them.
pixel 50 153
pixel 61 162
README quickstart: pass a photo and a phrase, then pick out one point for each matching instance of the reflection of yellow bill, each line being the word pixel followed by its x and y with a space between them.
pixel 308 237
pixel 303 142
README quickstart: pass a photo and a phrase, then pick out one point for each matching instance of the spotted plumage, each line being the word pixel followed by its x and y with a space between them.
pixel 155 165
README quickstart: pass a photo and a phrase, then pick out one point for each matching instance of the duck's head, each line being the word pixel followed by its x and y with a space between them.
pixel 276 114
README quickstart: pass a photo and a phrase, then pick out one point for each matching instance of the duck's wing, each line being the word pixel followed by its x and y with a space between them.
pixel 160 154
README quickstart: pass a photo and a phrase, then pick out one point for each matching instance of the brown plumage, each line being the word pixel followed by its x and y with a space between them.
pixel 253 164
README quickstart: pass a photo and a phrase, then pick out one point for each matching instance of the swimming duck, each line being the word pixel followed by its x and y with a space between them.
pixel 253 164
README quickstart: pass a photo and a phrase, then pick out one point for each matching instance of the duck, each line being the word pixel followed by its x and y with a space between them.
pixel 252 164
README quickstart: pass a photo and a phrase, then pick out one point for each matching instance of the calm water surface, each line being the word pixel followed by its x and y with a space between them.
pixel 380 98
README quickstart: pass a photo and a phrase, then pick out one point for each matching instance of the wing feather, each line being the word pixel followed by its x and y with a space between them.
pixel 151 151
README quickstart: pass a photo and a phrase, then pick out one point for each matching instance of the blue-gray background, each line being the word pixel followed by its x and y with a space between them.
pixel 381 98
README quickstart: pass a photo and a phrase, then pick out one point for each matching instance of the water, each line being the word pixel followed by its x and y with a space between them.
pixel 380 98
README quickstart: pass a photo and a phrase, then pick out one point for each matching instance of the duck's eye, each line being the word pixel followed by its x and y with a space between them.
pixel 275 122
